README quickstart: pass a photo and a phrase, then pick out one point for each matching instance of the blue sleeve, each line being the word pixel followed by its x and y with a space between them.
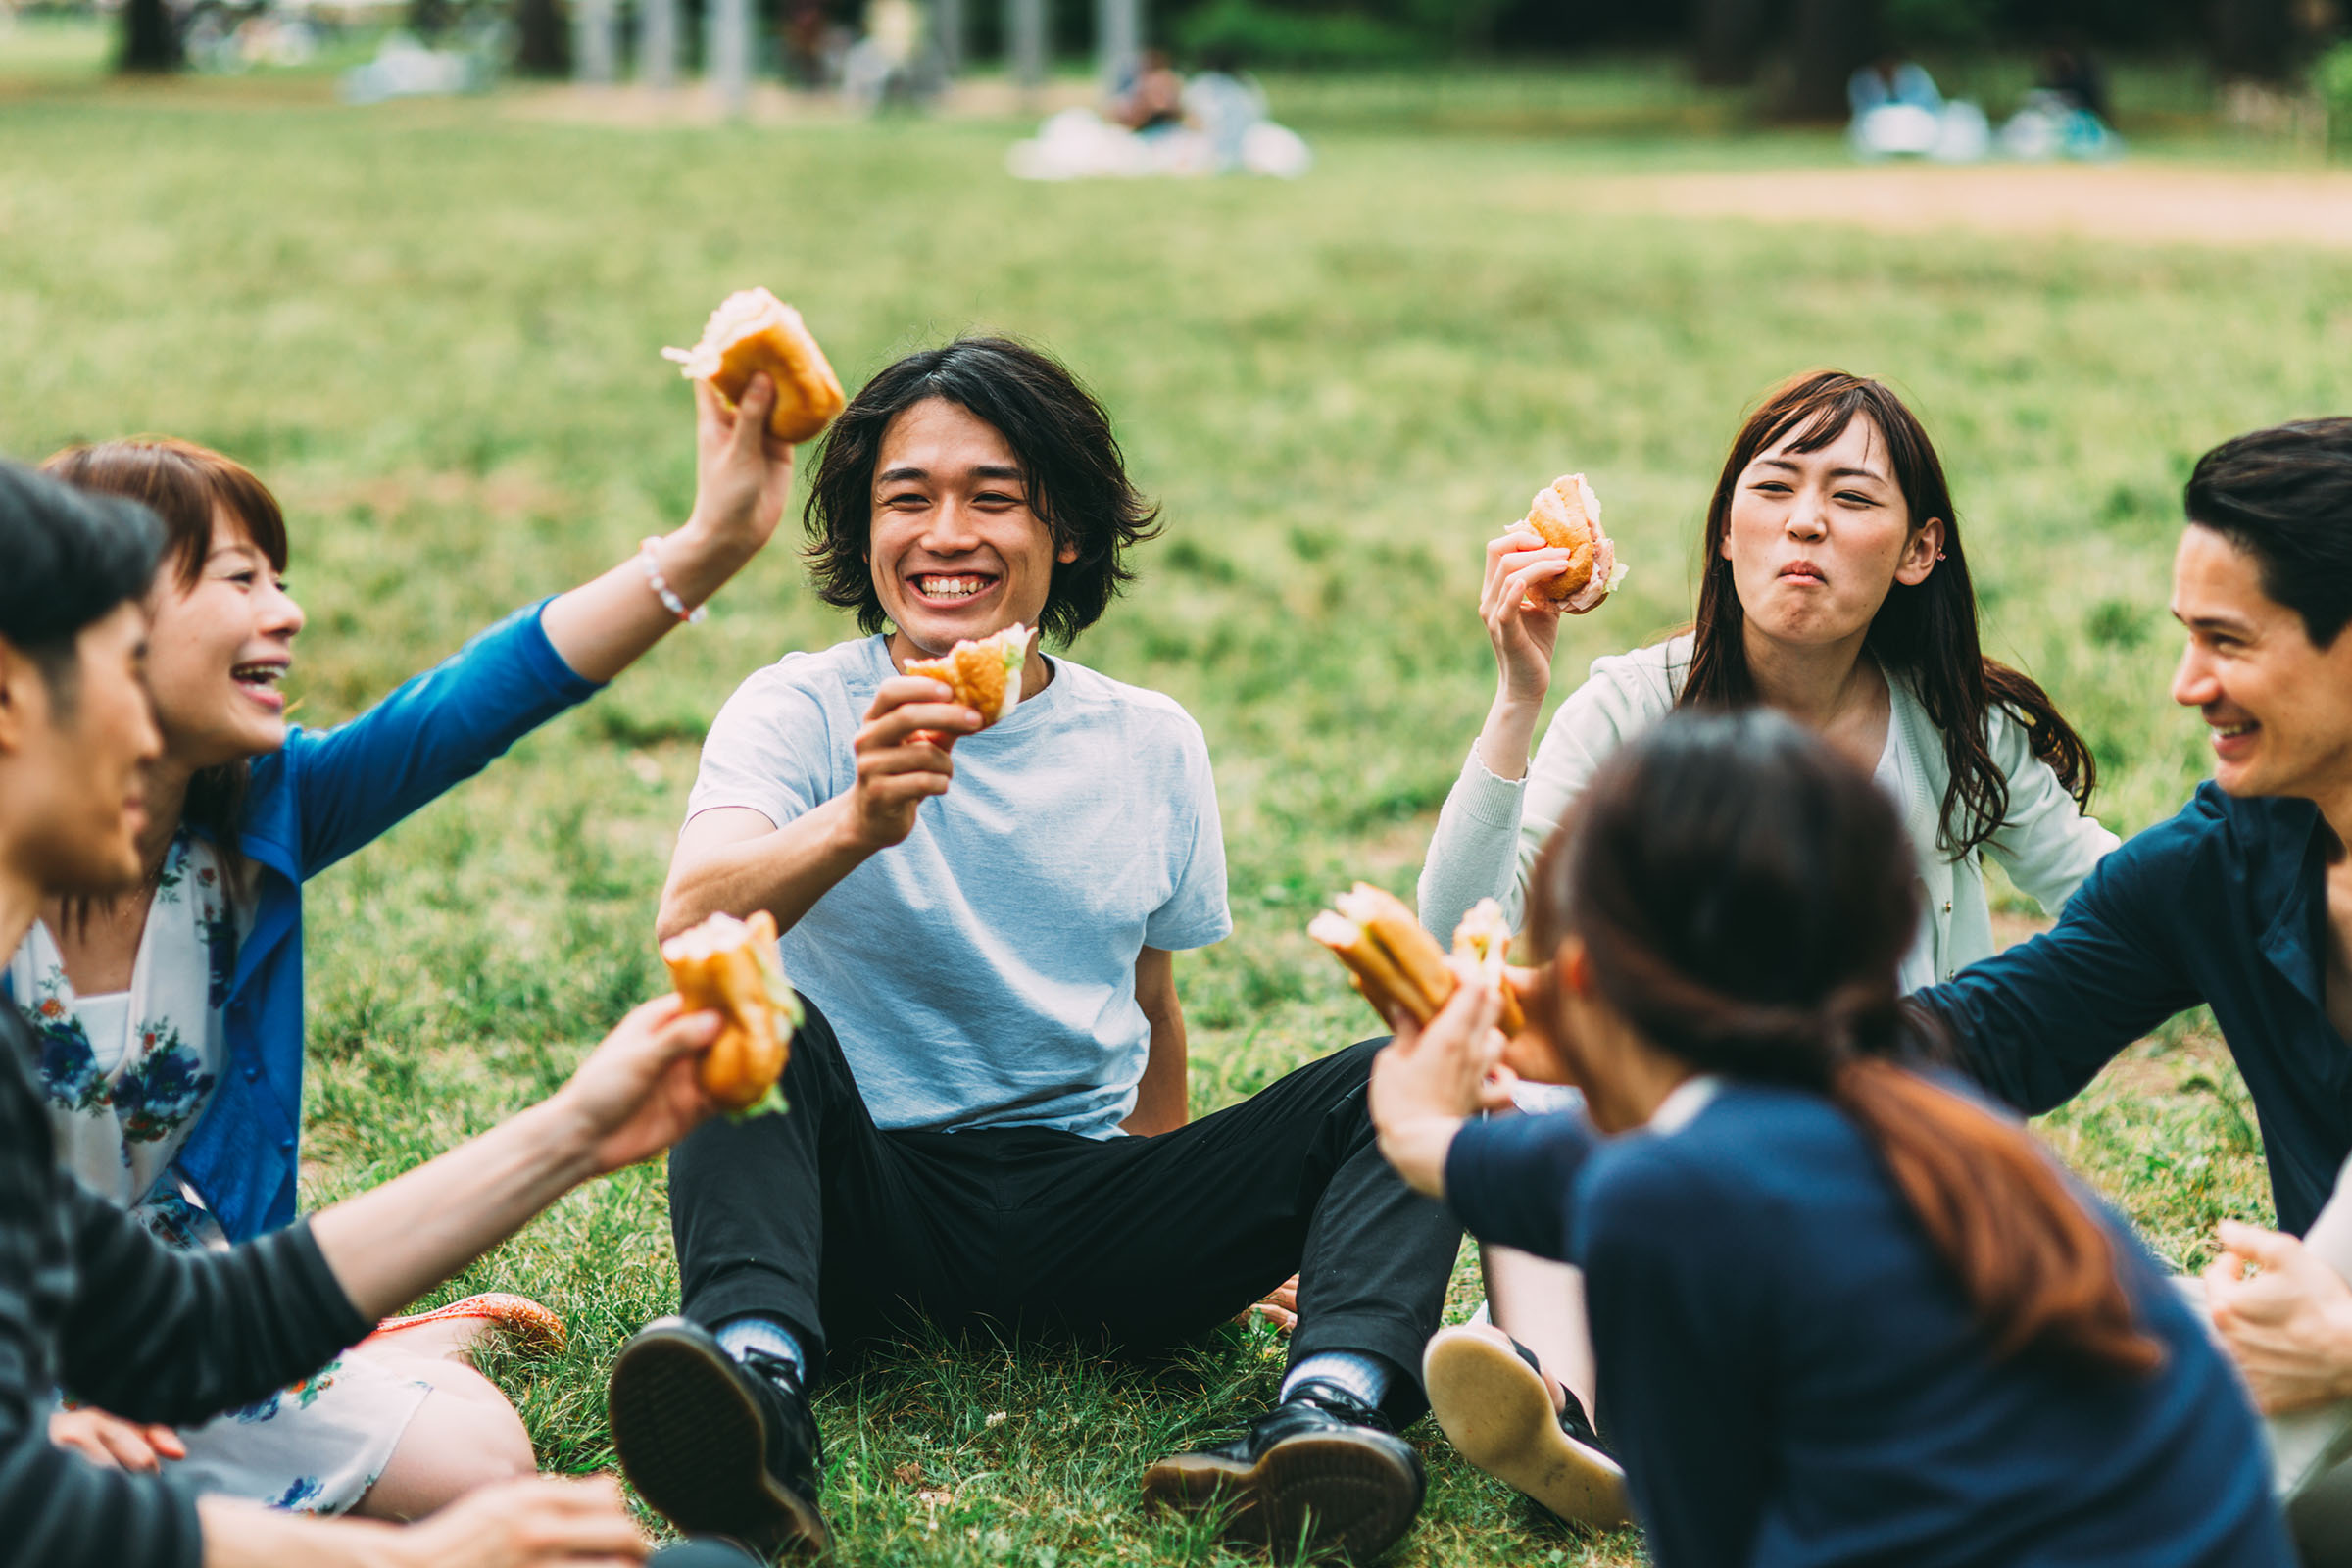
pixel 1680 1284
pixel 1511 1179
pixel 2035 1023
pixel 355 781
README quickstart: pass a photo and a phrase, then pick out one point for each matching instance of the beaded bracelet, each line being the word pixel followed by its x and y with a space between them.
pixel 661 584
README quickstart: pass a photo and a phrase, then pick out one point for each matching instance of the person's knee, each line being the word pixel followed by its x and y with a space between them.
pixel 465 1435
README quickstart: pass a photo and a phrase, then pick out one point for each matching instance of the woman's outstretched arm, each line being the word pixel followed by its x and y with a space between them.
pixel 742 476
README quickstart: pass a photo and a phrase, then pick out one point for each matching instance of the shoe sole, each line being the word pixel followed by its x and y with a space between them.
pixel 1496 1412
pixel 1334 1492
pixel 693 1443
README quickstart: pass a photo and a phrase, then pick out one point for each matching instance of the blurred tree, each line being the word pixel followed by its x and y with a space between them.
pixel 2254 39
pixel 542 39
pixel 1727 40
pixel 1829 39
pixel 150 38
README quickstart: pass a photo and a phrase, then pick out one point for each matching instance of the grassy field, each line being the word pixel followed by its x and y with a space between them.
pixel 433 328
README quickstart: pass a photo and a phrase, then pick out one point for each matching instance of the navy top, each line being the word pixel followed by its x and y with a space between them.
pixel 1792 1378
pixel 2224 904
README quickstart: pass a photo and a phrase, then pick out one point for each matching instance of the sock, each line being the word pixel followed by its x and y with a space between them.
pixel 1360 1372
pixel 740 1336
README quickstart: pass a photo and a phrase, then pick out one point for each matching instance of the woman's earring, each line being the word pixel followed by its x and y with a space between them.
pixel 1938 554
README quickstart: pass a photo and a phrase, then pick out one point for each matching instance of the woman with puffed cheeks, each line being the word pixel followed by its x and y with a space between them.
pixel 1834 590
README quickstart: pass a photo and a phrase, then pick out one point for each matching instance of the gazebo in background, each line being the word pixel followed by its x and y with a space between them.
pixel 596 42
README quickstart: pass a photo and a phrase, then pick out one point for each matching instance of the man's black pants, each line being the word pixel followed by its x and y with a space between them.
pixel 822 1220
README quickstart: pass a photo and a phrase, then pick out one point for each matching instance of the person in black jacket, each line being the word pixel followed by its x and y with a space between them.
pixel 90 1302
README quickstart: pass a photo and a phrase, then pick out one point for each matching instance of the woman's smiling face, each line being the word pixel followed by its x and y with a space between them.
pixel 218 648
pixel 1817 539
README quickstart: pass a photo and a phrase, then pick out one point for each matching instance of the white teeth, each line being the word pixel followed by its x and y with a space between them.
pixel 2228 731
pixel 950 587
pixel 256 674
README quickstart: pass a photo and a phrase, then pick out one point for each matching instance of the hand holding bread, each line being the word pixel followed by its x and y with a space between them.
pixel 752 333
pixel 1400 968
pixel 730 967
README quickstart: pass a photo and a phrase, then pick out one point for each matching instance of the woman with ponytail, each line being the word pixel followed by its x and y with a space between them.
pixel 1842 1313
pixel 1834 589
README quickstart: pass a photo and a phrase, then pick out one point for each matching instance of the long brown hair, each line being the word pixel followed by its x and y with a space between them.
pixel 1924 632
pixel 1745 895
pixel 187 486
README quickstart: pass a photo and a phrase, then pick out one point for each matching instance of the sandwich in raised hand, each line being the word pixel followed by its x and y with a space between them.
pixel 730 967
pixel 754 331
pixel 984 672
pixel 1567 513
pixel 1397 964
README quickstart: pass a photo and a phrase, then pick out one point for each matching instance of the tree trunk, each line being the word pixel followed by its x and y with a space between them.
pixel 2254 40
pixel 947 19
pixel 1118 40
pixel 1831 39
pixel 1727 40
pixel 730 53
pixel 658 44
pixel 542 45
pixel 149 42
pixel 595 41
pixel 1030 49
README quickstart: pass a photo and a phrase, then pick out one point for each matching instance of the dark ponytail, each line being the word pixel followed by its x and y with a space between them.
pixel 1744 895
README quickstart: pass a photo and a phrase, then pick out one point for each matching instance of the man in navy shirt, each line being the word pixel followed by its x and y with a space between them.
pixel 2244 901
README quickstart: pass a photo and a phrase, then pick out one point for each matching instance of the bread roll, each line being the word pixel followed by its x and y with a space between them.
pixel 754 331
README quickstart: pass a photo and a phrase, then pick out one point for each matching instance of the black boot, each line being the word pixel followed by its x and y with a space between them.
pixel 715 1446
pixel 1322 1467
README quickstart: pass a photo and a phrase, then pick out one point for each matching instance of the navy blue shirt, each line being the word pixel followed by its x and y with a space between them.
pixel 1793 1380
pixel 2224 904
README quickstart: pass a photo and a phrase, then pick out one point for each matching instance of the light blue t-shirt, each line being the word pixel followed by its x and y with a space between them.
pixel 982 973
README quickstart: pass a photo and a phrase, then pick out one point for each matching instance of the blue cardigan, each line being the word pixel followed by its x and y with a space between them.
pixel 323 795
pixel 1793 1379
pixel 2226 904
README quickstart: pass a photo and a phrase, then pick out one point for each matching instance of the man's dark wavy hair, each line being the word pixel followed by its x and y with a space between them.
pixel 2284 496
pixel 1071 464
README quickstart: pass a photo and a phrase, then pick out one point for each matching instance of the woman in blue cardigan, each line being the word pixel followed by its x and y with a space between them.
pixel 1842 1313
pixel 171 1020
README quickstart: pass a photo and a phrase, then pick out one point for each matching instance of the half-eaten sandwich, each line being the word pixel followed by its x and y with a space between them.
pixel 984 672
pixel 1567 513
pixel 754 331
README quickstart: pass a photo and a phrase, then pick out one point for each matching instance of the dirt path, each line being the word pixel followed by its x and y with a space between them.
pixel 2128 203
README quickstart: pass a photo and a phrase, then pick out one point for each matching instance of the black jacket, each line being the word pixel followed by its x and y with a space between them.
pixel 92 1304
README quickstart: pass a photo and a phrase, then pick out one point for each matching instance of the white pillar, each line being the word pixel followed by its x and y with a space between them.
pixel 1118 39
pixel 657 43
pixel 1029 45
pixel 946 29
pixel 731 53
pixel 595 41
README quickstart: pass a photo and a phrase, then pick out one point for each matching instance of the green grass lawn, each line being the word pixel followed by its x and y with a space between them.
pixel 433 328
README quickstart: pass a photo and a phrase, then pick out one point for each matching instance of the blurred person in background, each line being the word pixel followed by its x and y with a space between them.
pixel 1843 1311
pixel 1151 96
pixel 1834 590
pixel 170 1015
pixel 89 1298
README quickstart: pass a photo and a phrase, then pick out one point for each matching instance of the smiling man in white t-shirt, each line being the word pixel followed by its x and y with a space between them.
pixel 989 1120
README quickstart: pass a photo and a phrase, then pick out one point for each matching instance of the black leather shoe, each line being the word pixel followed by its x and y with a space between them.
pixel 715 1446
pixel 1322 1467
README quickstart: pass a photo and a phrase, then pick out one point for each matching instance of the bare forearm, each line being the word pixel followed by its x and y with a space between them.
pixel 1508 732
pixel 602 627
pixel 245 1535
pixel 784 871
pixel 1163 1100
pixel 393 1242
